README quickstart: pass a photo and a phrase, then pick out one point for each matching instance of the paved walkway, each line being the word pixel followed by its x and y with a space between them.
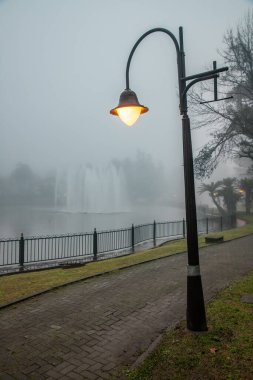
pixel 90 329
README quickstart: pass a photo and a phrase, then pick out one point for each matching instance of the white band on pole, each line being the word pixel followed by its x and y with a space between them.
pixel 193 270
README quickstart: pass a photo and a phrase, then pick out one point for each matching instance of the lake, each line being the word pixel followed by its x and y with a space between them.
pixel 33 221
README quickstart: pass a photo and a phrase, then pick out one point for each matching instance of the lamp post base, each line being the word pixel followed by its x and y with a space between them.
pixel 195 314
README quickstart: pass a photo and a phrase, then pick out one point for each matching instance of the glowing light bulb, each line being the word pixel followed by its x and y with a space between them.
pixel 129 115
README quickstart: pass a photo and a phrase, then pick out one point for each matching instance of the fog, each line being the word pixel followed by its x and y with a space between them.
pixel 62 68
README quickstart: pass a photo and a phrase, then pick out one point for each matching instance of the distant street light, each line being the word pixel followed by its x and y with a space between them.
pixel 129 109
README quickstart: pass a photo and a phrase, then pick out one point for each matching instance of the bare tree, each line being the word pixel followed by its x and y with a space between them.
pixel 230 122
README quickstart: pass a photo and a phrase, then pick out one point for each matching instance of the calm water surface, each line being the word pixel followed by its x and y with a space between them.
pixel 41 221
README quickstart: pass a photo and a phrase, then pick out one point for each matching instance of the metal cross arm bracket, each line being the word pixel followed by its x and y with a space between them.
pixel 205 73
pixel 202 78
pixel 215 89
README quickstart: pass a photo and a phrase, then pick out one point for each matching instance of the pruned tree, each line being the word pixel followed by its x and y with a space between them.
pixel 230 122
pixel 213 191
pixel 246 186
pixel 225 190
pixel 230 194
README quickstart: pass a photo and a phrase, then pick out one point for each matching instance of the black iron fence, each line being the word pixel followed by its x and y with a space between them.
pixel 97 245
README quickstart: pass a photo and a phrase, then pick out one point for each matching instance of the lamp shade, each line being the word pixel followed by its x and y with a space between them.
pixel 129 108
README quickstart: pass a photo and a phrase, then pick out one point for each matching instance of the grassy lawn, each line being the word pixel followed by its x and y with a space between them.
pixel 224 352
pixel 24 284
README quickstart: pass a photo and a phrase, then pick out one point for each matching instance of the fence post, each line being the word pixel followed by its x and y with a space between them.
pixel 183 228
pixel 21 252
pixel 221 223
pixel 132 236
pixel 206 225
pixel 154 233
pixel 95 244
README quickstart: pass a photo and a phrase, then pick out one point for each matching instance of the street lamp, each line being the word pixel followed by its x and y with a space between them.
pixel 129 109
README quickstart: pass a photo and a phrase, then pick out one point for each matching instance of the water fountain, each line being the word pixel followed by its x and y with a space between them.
pixel 92 190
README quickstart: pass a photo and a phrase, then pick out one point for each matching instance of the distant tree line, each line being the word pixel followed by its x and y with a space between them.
pixel 25 187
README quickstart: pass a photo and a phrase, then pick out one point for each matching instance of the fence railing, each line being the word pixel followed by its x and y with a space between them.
pixel 53 250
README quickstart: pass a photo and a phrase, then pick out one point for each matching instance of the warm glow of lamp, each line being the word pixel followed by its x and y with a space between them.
pixel 129 109
pixel 129 115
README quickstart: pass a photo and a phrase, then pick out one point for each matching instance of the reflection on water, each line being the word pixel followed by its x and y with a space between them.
pixel 40 221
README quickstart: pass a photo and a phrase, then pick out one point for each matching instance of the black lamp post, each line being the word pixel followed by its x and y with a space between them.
pixel 129 109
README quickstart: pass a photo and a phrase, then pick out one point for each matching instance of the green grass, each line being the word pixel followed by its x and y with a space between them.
pixel 25 284
pixel 224 352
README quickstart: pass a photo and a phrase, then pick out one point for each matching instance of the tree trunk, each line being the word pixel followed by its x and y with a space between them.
pixel 247 202
pixel 220 209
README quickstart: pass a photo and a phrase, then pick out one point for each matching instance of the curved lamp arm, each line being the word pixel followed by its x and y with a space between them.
pixel 183 88
pixel 166 31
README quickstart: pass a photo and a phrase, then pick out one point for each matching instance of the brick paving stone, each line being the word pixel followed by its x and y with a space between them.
pixel 75 376
pixel 5 376
pixel 67 369
pixel 30 369
pixel 74 361
pixel 95 367
pixel 52 374
pixel 108 366
pixel 20 376
pixel 103 375
pixel 36 376
pixel 91 329
pixel 89 375
pixel 81 368
pixel 63 365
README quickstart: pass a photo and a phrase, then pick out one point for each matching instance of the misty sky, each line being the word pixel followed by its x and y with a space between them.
pixel 62 68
